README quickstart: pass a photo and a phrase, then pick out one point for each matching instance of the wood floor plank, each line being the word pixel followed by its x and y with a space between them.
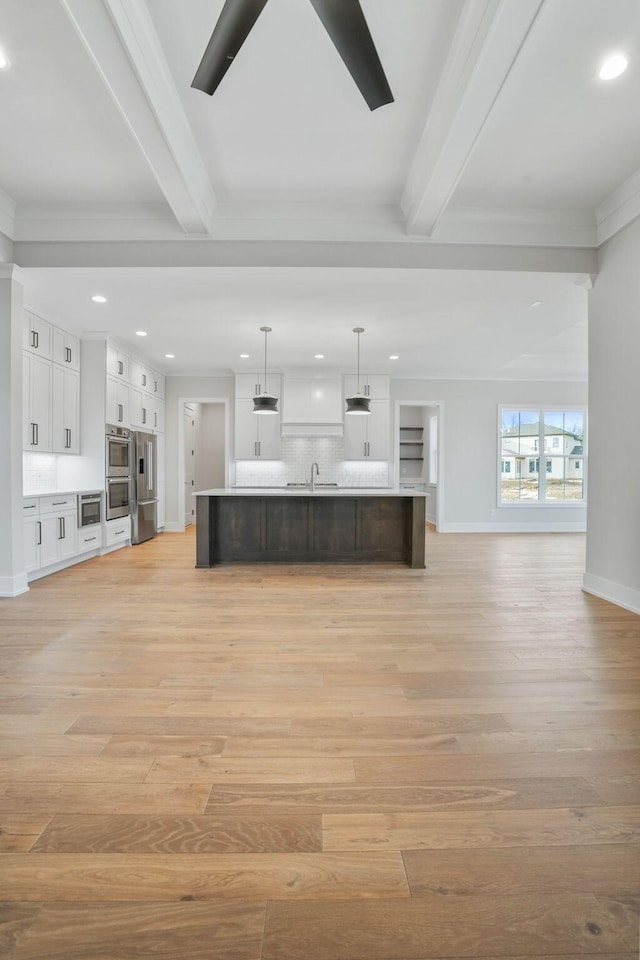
pixel 16 920
pixel 473 829
pixel 182 726
pixel 520 794
pixel 52 745
pixel 249 877
pixel 125 834
pixel 131 931
pixel 256 770
pixel 19 831
pixel 107 798
pixel 122 745
pixel 607 870
pixel 398 726
pixel 494 766
pixel 471 927
pixel 340 746
pixel 74 769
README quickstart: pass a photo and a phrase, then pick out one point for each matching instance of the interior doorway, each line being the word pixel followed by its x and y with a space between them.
pixel 203 426
pixel 419 460
pixel 189 455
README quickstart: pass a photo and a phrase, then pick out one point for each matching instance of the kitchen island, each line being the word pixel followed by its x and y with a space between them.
pixel 310 526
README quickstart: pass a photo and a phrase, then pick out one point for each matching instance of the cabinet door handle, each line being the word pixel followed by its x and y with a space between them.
pixel 68 354
pixel 144 414
pixel 67 438
pixel 120 367
pixel 120 413
pixel 144 379
pixel 255 448
pixel 31 506
pixel 39 533
pixel 59 503
pixel 59 528
pixel 155 386
pixel 89 539
pixel 155 422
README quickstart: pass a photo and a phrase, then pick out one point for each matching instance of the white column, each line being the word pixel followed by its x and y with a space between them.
pixel 13 578
pixel 613 487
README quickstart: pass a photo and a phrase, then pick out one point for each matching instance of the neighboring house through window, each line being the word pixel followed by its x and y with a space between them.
pixel 555 437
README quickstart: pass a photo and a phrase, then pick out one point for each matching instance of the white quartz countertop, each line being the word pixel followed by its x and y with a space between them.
pixel 58 493
pixel 307 492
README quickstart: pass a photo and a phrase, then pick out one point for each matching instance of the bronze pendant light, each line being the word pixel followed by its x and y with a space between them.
pixel 358 403
pixel 264 402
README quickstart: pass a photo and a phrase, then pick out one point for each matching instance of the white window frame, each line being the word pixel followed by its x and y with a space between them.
pixel 541 409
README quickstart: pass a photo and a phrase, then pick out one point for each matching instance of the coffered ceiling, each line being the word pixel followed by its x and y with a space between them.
pixel 436 219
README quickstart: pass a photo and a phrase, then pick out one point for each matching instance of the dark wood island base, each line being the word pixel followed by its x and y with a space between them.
pixel 315 528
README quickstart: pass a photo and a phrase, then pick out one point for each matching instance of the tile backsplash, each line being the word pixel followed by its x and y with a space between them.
pixel 298 453
pixel 39 473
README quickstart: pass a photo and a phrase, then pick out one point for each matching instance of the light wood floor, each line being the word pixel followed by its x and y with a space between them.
pixel 313 763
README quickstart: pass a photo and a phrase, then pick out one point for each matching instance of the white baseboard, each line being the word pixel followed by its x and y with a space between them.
pixel 578 526
pixel 616 593
pixel 13 586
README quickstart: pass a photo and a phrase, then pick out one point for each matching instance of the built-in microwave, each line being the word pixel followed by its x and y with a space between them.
pixel 89 508
pixel 118 497
pixel 118 451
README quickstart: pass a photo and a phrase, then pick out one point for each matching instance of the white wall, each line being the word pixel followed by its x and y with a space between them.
pixel 469 450
pixel 209 471
pixel 191 388
pixel 613 522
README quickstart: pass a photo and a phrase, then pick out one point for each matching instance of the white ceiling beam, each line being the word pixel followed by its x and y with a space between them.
pixel 486 44
pixel 7 214
pixel 619 209
pixel 123 45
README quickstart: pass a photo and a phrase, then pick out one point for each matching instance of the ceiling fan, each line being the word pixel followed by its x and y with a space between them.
pixel 342 19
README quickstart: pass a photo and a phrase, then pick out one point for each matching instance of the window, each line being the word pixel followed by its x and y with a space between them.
pixel 561 436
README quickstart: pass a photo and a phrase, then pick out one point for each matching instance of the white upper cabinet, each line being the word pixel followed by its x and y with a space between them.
pixel 367 437
pixel 117 402
pixel 374 385
pixel 257 437
pixel 36 408
pixel 37 336
pixel 140 375
pixel 249 385
pixel 312 400
pixel 65 411
pixel 117 363
pixel 156 384
pixel 66 349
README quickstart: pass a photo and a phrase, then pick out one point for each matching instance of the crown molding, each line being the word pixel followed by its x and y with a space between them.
pixel 531 227
pixel 123 45
pixel 485 47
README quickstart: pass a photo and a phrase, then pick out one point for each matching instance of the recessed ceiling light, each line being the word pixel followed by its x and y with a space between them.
pixel 98 298
pixel 613 66
pixel 536 303
pixel 141 333
pixel 394 356
pixel 170 356
pixel 319 356
pixel 4 61
pixel 244 356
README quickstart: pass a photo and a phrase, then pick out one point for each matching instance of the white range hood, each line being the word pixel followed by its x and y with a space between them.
pixel 311 405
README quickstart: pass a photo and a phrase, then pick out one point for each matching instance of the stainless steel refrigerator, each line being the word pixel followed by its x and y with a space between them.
pixel 144 496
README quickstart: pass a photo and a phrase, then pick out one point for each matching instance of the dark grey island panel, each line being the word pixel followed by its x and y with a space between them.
pixel 309 529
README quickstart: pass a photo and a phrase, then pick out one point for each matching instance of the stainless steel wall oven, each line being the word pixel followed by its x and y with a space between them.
pixel 118 497
pixel 118 451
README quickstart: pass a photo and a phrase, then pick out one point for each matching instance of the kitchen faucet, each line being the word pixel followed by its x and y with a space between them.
pixel 314 464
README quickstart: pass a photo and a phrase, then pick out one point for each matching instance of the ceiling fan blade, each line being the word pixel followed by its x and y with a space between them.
pixel 232 29
pixel 345 23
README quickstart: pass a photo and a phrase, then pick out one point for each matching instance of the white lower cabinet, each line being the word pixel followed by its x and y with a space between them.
pixel 367 437
pixel 89 538
pixel 50 529
pixel 117 531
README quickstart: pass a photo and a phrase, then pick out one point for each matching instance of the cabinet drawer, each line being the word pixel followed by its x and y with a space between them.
pixel 31 507
pixel 118 531
pixel 61 504
pixel 89 538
